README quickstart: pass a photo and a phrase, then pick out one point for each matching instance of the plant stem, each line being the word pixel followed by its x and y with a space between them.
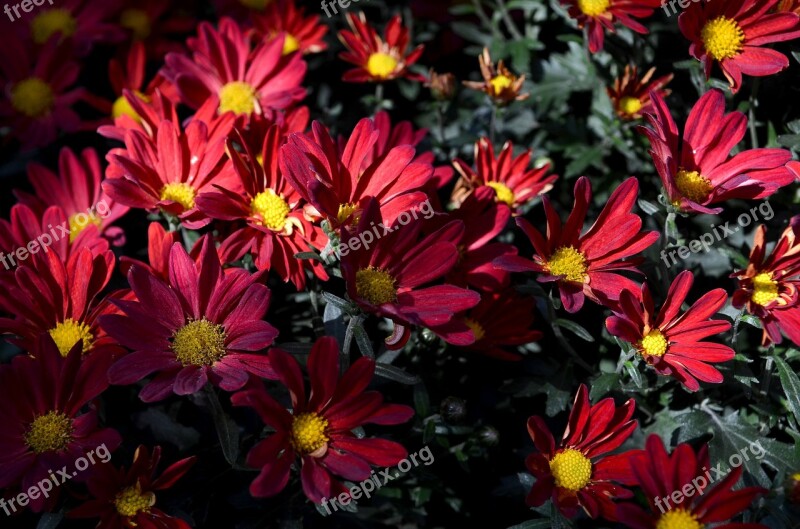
pixel 551 314
pixel 378 97
pixel 512 28
pixel 493 124
pixel 751 114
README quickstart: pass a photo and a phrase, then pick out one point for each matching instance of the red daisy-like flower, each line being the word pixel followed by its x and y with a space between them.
pixel 202 325
pixel 83 22
pixel 672 342
pixel 336 182
pixel 276 226
pixel 513 180
pixel 576 473
pixel 222 64
pixel 126 499
pixel 389 278
pixel 378 59
pixel 631 95
pixel 60 299
pixel 76 190
pixel 171 171
pixel 660 474
pixel 768 287
pixel 156 23
pixel 302 33
pixel 587 265
pixel 44 427
pixel 733 33
pixel 597 16
pixel 319 428
pixel 697 169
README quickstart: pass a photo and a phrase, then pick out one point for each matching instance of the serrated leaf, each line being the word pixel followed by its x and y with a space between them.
pixel 791 386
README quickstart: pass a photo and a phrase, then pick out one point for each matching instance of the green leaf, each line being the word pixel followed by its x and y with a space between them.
pixel 575 329
pixel 396 374
pixel 227 431
pixel 791 386
pixel 50 520
pixel 603 384
pixel 532 524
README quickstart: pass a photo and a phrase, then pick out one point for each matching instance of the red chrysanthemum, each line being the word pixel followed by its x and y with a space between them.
pixel 82 22
pixel 202 325
pixel 734 32
pixel 577 473
pixel 302 33
pixel 660 474
pixel 155 24
pixel 378 59
pixel 276 226
pixel 768 287
pixel 631 95
pixel 669 341
pixel 126 499
pixel 587 265
pixel 319 428
pixel 513 180
pixel 597 16
pixel 697 169
pixel 46 422
pixel 246 81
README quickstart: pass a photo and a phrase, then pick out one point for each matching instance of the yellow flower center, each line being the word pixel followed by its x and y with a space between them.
pixel 137 21
pixel 50 432
pixel 52 21
pixel 375 285
pixel 765 289
pixel 271 208
pixel 290 44
pixel 67 333
pixel 122 107
pixel 255 4
pixel 33 97
pixel 693 185
pixel 308 433
pixel 179 192
pixel 722 38
pixel 571 469
pixel 678 519
pixel 80 221
pixel 500 83
pixel 593 8
pixel 132 501
pixel 503 193
pixel 568 262
pixel 654 343
pixel 381 65
pixel 630 105
pixel 345 210
pixel 238 97
pixel 476 328
pixel 199 343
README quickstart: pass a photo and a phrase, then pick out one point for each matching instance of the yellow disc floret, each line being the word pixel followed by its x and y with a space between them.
pixel 80 221
pixel 52 21
pixel 571 469
pixel 133 500
pixel 723 38
pixel 593 8
pixel 499 83
pixel 375 285
pixel 259 5
pixel 765 289
pixel 476 328
pixel 309 433
pixel 137 21
pixel 50 432
pixel 33 97
pixel 654 343
pixel 290 44
pixel 503 193
pixel 179 192
pixel 122 107
pixel 381 65
pixel 271 209
pixel 693 185
pixel 67 333
pixel 630 105
pixel 238 97
pixel 345 211
pixel 199 343
pixel 568 262
pixel 678 519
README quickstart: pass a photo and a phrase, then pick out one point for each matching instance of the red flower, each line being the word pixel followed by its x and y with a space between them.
pixel 130 77
pixel 768 287
pixel 277 228
pixel 155 24
pixel 336 182
pixel 576 473
pixel 302 33
pixel 83 22
pixel 700 171
pixel 659 474
pixel 672 342
pixel 222 64
pixel 125 499
pixel 599 15
pixel 733 34
pixel 319 429
pixel 513 180
pixel 378 59
pixel 200 326
pixel 631 95
pixel 389 278
pixel 587 265
pixel 43 427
